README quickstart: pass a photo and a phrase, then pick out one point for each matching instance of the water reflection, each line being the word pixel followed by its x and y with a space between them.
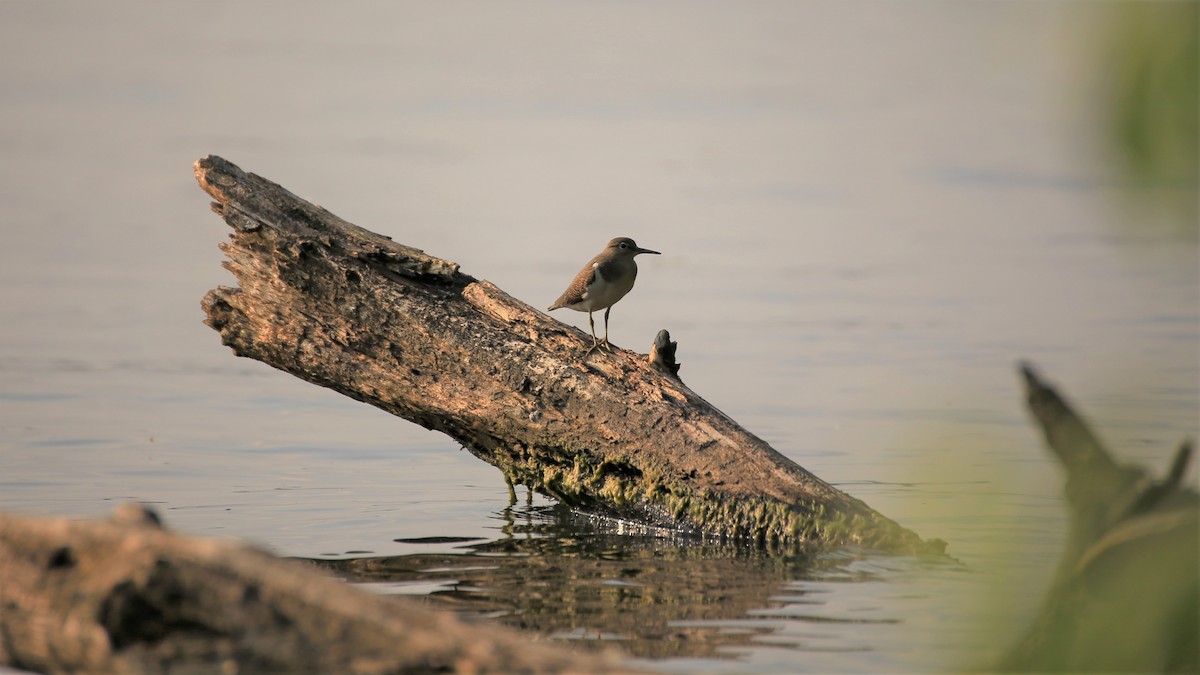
pixel 594 580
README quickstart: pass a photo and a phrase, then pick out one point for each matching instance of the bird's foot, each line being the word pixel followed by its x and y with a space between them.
pixel 603 345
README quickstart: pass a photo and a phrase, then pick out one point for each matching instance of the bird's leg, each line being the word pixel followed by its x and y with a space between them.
pixel 595 341
pixel 605 342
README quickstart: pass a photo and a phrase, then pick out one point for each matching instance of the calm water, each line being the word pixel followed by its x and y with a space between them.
pixel 866 218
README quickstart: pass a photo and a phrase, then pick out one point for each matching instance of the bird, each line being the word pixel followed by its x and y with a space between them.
pixel 603 281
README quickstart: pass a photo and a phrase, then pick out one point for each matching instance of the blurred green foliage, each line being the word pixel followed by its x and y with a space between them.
pixel 1153 54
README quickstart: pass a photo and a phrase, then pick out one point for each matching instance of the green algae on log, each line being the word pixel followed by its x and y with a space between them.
pixel 612 432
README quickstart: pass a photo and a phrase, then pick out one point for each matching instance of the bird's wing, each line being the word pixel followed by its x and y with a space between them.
pixel 579 285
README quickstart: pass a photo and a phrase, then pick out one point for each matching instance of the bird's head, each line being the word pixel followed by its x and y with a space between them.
pixel 627 247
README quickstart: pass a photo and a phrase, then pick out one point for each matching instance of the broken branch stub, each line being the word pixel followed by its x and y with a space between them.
pixel 1125 596
pixel 408 332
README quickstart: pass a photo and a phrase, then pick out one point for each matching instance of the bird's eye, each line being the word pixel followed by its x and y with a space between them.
pixel 624 245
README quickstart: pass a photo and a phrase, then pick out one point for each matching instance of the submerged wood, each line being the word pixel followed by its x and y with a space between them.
pixel 126 596
pixel 408 332
pixel 1126 596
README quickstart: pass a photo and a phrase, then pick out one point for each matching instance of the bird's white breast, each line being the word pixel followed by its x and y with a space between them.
pixel 603 292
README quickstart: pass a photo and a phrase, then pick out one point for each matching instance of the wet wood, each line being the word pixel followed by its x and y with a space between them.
pixel 1126 596
pixel 126 596
pixel 410 333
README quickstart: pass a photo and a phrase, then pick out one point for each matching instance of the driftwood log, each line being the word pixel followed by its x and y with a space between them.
pixel 1126 595
pixel 126 596
pixel 613 433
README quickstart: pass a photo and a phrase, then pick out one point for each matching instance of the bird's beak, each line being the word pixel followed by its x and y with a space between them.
pixel 645 250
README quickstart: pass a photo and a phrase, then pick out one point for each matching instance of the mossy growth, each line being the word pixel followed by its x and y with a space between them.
pixel 623 490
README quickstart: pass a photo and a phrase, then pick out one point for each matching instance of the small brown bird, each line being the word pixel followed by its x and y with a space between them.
pixel 603 281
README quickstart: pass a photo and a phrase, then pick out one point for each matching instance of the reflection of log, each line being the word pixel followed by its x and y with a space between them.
pixel 1127 593
pixel 392 326
pixel 594 580
pixel 127 596
pixel 599 601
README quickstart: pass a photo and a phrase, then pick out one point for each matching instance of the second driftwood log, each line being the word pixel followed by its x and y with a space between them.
pixel 126 596
pixel 390 325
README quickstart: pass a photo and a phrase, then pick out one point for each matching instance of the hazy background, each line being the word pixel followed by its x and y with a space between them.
pixel 867 212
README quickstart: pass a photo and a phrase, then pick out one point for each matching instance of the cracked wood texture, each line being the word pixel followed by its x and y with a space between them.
pixel 611 433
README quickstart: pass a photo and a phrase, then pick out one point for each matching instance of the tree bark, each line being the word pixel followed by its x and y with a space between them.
pixel 408 332
pixel 125 596
pixel 1126 596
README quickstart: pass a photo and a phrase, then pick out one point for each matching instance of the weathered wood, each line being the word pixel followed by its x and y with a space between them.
pixel 1126 596
pixel 125 596
pixel 409 333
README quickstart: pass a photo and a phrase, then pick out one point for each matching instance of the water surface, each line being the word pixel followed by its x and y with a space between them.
pixel 866 218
